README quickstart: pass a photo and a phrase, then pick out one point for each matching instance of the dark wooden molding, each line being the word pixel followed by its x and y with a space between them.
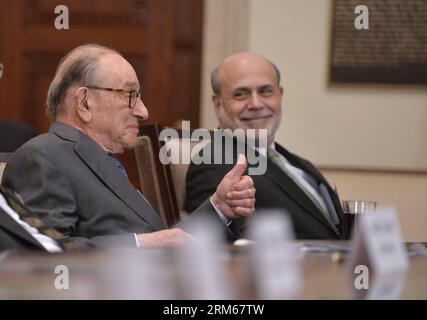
pixel 380 170
pixel 164 175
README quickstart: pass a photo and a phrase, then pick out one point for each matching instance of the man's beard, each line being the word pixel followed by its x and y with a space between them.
pixel 227 123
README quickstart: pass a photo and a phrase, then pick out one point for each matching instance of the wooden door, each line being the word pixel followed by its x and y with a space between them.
pixel 161 39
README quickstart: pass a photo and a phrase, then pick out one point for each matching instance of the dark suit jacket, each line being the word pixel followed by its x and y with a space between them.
pixel 14 237
pixel 14 135
pixel 274 189
pixel 69 181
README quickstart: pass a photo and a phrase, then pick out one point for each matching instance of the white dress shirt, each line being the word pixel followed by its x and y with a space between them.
pixel 303 177
pixel 48 243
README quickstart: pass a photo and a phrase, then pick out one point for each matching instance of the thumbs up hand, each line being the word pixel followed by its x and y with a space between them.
pixel 235 195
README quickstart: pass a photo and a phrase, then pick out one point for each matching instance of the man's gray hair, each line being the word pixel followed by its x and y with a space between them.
pixel 215 80
pixel 78 67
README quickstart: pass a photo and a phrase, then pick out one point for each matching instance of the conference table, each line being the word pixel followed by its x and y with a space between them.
pixel 118 274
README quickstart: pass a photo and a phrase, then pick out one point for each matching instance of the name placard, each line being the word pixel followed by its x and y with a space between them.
pixel 379 260
pixel 201 270
pixel 274 259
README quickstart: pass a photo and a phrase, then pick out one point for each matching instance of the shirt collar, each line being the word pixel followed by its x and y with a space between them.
pixel 263 151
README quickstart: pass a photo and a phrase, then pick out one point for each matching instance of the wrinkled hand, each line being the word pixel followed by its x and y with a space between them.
pixel 235 195
pixel 164 238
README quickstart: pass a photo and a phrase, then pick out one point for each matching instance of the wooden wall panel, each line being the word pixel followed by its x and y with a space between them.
pixel 91 13
pixel 187 51
pixel 161 39
pixel 38 68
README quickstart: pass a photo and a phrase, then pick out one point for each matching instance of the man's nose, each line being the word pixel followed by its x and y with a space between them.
pixel 255 101
pixel 140 110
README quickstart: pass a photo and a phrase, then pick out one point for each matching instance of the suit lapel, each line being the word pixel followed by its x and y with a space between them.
pixel 310 169
pixel 97 160
pixel 292 189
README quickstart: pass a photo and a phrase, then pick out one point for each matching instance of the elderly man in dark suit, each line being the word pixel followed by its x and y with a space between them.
pixel 248 95
pixel 70 177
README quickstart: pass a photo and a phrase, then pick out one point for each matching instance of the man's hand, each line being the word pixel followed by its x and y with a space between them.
pixel 235 195
pixel 164 238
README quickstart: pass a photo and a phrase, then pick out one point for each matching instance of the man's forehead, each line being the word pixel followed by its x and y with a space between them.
pixel 131 84
pixel 247 71
pixel 254 78
pixel 113 62
pixel 119 70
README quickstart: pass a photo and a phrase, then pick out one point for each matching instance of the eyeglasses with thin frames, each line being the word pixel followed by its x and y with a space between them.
pixel 133 94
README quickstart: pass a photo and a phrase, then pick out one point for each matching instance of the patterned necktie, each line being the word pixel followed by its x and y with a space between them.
pixel 122 170
pixel 274 157
pixel 24 214
pixel 118 165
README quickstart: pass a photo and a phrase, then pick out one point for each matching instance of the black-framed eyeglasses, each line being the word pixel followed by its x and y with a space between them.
pixel 133 94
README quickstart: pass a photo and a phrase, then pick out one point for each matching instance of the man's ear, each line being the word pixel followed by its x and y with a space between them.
pixel 82 107
pixel 216 100
pixel 281 91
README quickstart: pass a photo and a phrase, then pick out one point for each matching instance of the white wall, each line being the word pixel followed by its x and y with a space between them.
pixel 403 191
pixel 350 126
pixel 225 31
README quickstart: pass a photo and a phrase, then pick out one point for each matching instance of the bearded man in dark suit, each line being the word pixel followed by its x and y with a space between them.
pixel 248 95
